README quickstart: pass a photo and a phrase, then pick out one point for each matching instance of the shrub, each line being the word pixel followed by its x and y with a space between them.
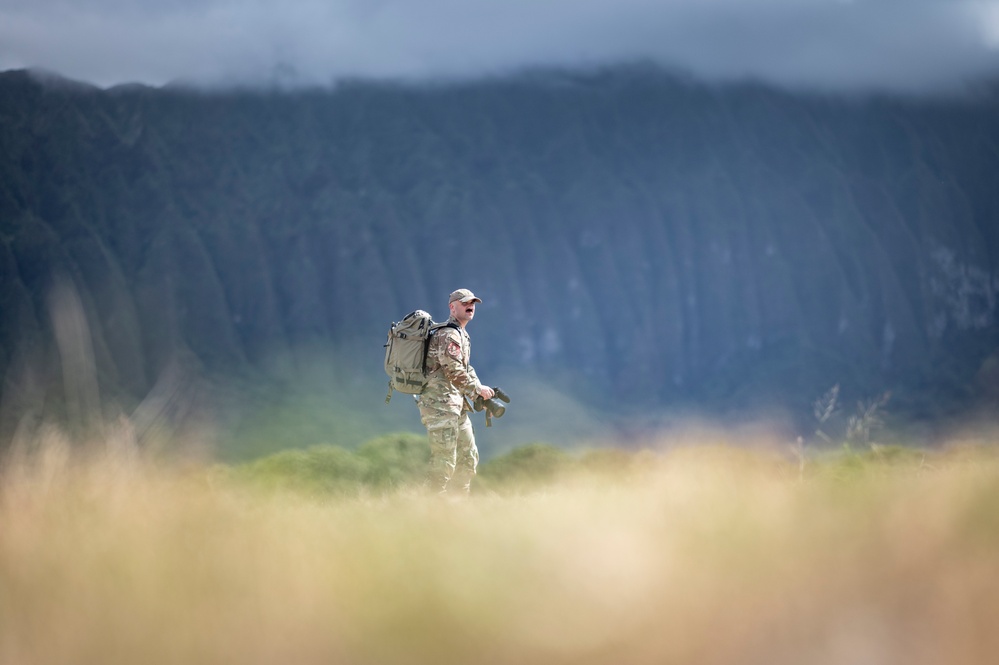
pixel 315 470
pixel 530 465
pixel 394 460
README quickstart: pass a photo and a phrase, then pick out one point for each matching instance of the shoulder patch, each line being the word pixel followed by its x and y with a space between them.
pixel 454 350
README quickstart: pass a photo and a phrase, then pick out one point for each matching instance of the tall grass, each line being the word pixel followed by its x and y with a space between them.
pixel 698 553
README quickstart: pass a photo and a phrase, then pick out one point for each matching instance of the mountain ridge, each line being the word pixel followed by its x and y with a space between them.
pixel 644 238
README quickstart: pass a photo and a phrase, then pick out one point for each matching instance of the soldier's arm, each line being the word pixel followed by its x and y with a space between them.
pixel 446 349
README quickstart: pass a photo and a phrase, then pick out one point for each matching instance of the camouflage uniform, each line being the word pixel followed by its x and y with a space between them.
pixel 444 408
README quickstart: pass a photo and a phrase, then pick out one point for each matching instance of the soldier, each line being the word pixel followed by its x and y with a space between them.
pixel 444 405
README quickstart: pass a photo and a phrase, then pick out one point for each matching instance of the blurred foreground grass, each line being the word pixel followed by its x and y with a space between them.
pixel 705 552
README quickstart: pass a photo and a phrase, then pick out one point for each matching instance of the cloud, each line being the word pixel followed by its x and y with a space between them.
pixel 837 44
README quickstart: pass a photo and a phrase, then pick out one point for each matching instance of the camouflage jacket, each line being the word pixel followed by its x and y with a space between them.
pixel 450 377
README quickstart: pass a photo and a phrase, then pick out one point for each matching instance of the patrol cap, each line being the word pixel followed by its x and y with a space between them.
pixel 464 295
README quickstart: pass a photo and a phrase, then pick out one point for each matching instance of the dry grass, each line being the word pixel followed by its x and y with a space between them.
pixel 706 554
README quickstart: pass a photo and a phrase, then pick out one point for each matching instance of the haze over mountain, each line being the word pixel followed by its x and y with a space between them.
pixel 898 45
pixel 640 239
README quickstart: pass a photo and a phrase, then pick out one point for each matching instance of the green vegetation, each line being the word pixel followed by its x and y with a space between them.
pixel 385 464
pixel 398 462
pixel 534 464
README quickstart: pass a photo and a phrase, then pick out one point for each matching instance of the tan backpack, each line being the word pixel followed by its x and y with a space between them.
pixel 406 353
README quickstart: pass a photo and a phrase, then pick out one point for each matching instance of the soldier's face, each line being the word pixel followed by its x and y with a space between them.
pixel 463 311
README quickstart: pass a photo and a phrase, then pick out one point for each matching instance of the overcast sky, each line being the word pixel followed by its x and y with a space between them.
pixel 915 45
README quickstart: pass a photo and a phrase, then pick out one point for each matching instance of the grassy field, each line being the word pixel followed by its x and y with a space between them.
pixel 706 551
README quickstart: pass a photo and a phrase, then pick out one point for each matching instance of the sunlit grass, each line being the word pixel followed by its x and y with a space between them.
pixel 705 552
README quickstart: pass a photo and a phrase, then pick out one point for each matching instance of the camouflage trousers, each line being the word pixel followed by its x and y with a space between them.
pixel 453 455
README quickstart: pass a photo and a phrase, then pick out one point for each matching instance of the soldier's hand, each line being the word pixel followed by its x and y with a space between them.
pixel 486 392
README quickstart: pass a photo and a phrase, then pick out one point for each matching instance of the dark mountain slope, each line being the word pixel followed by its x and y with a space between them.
pixel 642 238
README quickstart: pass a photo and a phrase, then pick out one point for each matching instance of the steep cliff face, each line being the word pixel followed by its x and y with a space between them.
pixel 640 237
